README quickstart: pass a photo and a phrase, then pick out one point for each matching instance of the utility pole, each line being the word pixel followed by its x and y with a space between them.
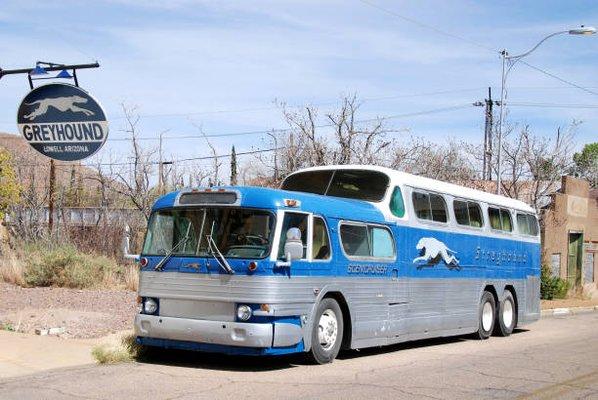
pixel 488 127
pixel 233 167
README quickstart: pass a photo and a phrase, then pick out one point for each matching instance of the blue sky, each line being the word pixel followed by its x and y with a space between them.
pixel 204 57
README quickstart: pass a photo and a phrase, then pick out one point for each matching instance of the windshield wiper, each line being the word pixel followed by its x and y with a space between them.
pixel 217 254
pixel 160 265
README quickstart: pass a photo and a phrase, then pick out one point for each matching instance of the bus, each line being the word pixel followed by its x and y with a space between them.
pixel 340 257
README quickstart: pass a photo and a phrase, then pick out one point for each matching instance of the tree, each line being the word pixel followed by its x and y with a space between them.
pixel 9 185
pixel 586 163
pixel 233 167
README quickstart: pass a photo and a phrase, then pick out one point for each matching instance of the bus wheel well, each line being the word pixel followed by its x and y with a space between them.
pixel 492 290
pixel 511 289
pixel 347 329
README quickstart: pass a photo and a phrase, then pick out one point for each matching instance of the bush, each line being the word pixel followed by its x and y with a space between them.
pixel 124 350
pixel 63 265
pixel 552 287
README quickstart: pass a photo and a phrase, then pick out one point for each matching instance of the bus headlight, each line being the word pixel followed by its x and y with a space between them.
pixel 243 312
pixel 150 306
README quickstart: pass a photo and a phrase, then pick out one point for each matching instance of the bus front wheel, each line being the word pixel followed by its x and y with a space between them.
pixel 327 332
pixel 487 311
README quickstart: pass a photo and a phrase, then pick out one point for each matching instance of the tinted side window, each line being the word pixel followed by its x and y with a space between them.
pixel 438 206
pixel 475 215
pixel 522 224
pixel 494 216
pixel 320 241
pixel 505 217
pixel 311 182
pixel 355 240
pixel 533 225
pixel 382 243
pixel 421 204
pixel 397 206
pixel 461 213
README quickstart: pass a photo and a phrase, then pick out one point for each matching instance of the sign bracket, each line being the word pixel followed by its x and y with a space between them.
pixel 44 67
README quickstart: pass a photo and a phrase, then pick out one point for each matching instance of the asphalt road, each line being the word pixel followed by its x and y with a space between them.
pixel 555 358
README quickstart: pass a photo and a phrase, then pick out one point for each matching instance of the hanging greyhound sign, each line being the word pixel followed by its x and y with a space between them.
pixel 63 122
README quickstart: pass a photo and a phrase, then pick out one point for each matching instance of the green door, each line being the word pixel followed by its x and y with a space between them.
pixel 575 258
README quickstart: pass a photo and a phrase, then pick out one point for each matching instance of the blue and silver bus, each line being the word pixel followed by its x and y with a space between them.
pixel 338 257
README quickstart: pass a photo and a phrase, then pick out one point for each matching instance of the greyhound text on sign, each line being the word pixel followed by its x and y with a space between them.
pixel 62 122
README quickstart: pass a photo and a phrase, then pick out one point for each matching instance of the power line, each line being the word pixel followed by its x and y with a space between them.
pixel 174 161
pixel 550 74
pixel 426 26
pixel 550 105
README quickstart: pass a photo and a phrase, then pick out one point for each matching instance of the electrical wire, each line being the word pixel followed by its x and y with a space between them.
pixel 554 76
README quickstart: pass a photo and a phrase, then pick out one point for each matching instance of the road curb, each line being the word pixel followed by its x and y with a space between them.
pixel 559 312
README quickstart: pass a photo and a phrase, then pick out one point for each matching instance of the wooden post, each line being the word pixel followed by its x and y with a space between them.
pixel 51 197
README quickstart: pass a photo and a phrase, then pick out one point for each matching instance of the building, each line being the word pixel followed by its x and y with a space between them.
pixel 570 233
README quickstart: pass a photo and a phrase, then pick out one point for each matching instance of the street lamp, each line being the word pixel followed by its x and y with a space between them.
pixel 582 30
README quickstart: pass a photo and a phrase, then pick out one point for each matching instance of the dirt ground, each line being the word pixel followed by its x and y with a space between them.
pixel 84 313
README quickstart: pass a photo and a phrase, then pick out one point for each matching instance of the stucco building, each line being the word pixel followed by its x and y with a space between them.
pixel 570 233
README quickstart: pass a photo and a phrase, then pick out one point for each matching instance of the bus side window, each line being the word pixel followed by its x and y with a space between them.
pixel 438 206
pixel 475 215
pixel 505 216
pixel 461 214
pixel 382 243
pixel 522 224
pixel 355 240
pixel 397 206
pixel 533 225
pixel 293 220
pixel 421 204
pixel 320 240
pixel 494 216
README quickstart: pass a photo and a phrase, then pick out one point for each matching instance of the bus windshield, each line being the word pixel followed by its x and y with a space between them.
pixel 238 233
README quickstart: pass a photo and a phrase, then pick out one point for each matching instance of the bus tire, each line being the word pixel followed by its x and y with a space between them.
pixel 506 317
pixel 487 311
pixel 327 332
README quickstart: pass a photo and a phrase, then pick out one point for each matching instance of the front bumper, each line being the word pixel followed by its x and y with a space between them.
pixel 241 334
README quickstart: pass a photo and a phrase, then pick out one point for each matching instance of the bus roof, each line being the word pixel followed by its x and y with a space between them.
pixel 404 178
pixel 272 199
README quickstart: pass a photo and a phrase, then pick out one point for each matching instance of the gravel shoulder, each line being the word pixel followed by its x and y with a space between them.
pixel 88 313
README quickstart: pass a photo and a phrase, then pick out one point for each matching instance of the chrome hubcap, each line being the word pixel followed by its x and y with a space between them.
pixel 327 329
pixel 487 316
pixel 507 313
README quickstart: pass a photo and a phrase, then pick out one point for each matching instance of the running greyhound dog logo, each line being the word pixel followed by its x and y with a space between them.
pixel 63 104
pixel 432 251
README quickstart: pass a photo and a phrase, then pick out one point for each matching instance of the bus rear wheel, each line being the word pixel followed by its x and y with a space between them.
pixel 487 311
pixel 327 332
pixel 506 317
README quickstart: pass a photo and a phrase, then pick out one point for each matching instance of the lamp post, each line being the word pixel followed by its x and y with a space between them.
pixel 512 60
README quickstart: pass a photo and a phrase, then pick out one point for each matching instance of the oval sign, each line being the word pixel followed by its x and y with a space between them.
pixel 62 121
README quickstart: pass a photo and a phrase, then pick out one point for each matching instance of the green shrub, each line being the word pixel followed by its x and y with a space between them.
pixel 552 287
pixel 62 265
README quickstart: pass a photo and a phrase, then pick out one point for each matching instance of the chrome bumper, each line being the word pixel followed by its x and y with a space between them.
pixel 241 334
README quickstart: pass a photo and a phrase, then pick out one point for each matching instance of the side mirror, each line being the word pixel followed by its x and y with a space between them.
pixel 127 245
pixel 293 247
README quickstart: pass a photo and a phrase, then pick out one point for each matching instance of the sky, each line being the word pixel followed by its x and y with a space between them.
pixel 219 66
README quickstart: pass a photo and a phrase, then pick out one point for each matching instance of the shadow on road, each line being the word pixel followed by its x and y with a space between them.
pixel 199 360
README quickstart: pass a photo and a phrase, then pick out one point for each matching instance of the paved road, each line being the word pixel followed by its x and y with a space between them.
pixel 556 358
